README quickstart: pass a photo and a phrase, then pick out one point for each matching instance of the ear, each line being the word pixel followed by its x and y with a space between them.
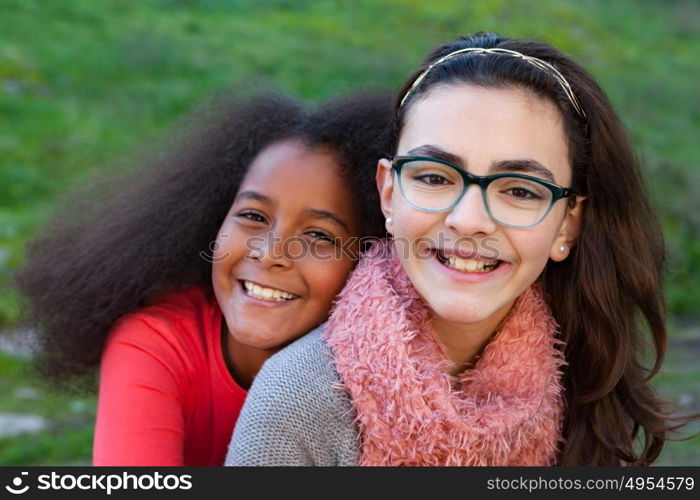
pixel 568 232
pixel 385 185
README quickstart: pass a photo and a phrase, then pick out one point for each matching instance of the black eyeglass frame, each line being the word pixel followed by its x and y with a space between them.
pixel 483 181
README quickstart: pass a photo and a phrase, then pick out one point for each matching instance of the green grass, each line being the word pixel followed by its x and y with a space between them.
pixel 84 83
pixel 71 417
pixel 68 440
pixel 679 382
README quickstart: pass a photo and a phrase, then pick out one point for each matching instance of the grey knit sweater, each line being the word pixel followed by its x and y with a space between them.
pixel 295 414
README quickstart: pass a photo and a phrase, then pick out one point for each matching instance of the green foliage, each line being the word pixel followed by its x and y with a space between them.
pixel 60 446
pixel 83 83
pixel 70 417
pixel 678 380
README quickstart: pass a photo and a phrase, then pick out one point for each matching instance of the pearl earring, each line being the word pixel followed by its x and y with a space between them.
pixel 562 248
pixel 389 220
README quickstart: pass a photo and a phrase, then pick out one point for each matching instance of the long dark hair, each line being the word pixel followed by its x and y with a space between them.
pixel 137 237
pixel 614 274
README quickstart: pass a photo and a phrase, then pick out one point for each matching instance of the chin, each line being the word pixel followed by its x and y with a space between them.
pixel 256 338
pixel 263 344
pixel 272 342
pixel 459 312
pixel 462 316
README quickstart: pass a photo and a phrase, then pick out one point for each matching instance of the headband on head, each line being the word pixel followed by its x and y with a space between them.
pixel 539 63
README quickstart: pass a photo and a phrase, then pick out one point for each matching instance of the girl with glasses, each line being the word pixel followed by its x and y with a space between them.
pixel 188 277
pixel 499 325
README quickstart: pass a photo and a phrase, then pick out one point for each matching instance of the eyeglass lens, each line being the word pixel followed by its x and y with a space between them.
pixel 510 200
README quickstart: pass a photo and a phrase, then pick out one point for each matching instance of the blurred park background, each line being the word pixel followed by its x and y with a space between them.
pixel 84 83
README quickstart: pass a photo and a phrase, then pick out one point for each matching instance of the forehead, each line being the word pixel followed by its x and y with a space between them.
pixel 291 159
pixel 485 125
pixel 294 175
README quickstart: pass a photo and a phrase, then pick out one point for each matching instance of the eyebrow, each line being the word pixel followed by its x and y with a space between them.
pixel 435 152
pixel 521 165
pixel 254 195
pixel 325 214
pixel 526 166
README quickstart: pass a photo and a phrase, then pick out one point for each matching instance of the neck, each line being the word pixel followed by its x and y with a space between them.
pixel 464 342
pixel 243 362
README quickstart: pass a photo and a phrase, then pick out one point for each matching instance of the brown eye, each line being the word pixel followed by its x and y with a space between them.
pixel 523 194
pixel 433 179
pixel 319 235
pixel 253 216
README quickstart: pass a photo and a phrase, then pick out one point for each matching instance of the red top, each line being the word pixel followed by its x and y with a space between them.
pixel 166 396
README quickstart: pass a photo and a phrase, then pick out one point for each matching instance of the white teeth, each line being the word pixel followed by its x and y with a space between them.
pixel 271 294
pixel 469 265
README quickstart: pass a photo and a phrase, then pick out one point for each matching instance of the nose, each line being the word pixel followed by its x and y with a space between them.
pixel 273 252
pixel 469 216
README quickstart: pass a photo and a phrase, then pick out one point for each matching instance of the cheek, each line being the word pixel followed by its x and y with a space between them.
pixel 220 256
pixel 411 223
pixel 533 249
pixel 326 279
pixel 229 248
pixel 534 256
pixel 234 241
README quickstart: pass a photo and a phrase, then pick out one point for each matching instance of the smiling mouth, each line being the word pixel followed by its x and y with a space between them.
pixel 467 265
pixel 263 293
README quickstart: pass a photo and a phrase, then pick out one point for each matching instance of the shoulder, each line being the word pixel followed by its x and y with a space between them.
pixel 309 352
pixel 185 306
pixel 174 312
pixel 302 374
pixel 172 329
pixel 296 413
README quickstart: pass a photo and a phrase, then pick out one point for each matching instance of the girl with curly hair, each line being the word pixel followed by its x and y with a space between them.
pixel 196 270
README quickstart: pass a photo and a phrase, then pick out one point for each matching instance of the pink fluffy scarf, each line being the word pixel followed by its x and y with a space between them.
pixel 507 410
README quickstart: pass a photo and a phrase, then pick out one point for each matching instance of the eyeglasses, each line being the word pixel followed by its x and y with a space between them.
pixel 515 200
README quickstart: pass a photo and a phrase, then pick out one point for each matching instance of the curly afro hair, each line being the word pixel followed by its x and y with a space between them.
pixel 119 248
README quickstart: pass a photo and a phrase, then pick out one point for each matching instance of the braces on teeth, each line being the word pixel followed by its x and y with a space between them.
pixel 471 265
